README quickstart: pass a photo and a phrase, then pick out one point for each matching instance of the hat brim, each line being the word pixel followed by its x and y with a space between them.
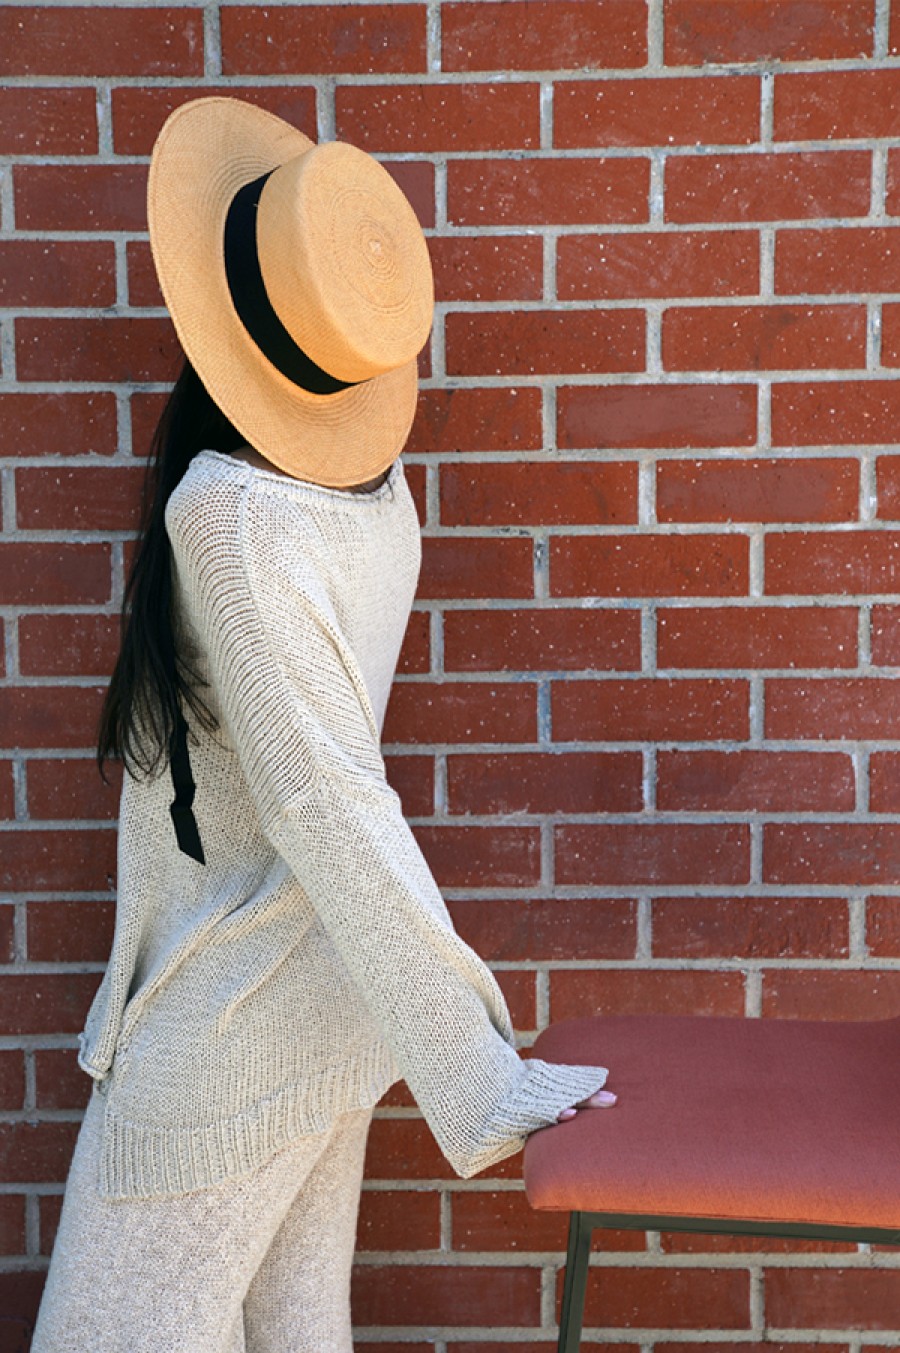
pixel 207 150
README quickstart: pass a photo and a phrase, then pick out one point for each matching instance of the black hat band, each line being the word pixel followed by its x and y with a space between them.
pixel 251 301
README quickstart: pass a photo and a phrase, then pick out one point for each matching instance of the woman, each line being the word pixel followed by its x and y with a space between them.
pixel 282 953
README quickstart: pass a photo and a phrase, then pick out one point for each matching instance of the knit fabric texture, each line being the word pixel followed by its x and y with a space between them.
pixel 311 962
pixel 258 1264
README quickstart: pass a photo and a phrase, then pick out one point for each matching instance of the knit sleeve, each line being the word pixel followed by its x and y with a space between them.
pixel 294 704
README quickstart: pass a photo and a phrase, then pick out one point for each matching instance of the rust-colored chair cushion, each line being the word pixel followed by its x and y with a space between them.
pixel 782 1120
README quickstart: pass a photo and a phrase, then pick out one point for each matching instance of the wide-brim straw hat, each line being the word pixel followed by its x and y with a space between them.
pixel 289 268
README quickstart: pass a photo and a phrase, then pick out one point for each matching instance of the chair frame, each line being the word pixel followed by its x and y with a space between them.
pixel 581 1230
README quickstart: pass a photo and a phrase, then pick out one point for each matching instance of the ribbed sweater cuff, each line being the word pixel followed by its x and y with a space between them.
pixel 543 1090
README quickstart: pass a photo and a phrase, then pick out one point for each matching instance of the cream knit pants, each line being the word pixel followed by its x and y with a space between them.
pixel 259 1264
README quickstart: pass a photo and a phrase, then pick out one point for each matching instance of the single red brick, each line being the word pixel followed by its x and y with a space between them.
pixel 138 111
pixel 416 478
pixel 845 562
pixel 720 110
pixel 549 929
pixel 845 259
pixel 667 1298
pixel 892 185
pixel 819 105
pixel 549 493
pixel 651 708
pixel 830 707
pixel 439 117
pixel 85 498
pixel 834 413
pixel 398 1219
pixel 503 418
pixel 883 926
pixel 660 264
pixel 656 416
pixel 68 645
pixel 648 565
pixel 540 1346
pixel 12 1226
pixel 888 483
pixel 81 197
pixel 847 1297
pixel 416 178
pixel 547 191
pixel 758 490
pixel 112 348
pixel 60 1082
pixel 852 854
pixel 7 934
pixel 12 1079
pixel 323 39
pixel 100 40
pixel 702 31
pixel 413 779
pixel 750 927
pixel 885 636
pixel 577 993
pixel 748 781
pixel 482 857
pixel 36 573
pixel 535 782
pixel 415 651
pixel 836 995
pixel 146 409
pixel 763 337
pixel 767 187
pixel 544 35
pixel 45 1003
pixel 684 1242
pixel 54 422
pixel 487 267
pixel 460 567
pixel 35 1152
pixel 529 342
pixel 504 1221
pixel 48 716
pixel 406 1347
pixel 628 854
pixel 890 335
pixel 441 1294
pixel 70 932
pixel 757 636
pixel 7 796
pixel 542 639
pixel 57 273
pixel 52 860
pixel 519 992
pixel 461 711
pixel 884 782
pixel 49 1209
pixel 45 121
pixel 404 1148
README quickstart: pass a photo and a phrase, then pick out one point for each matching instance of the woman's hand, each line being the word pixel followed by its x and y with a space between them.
pixel 600 1099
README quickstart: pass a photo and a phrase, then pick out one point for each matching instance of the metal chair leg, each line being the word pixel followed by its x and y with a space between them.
pixel 575 1285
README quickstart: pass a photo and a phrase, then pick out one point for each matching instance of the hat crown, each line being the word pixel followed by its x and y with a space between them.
pixel 344 262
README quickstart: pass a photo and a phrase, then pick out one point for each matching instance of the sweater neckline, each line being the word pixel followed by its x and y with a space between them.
pixel 304 487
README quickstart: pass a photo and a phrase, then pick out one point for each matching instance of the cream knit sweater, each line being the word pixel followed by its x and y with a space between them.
pixel 311 961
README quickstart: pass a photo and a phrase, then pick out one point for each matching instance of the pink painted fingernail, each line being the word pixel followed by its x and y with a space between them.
pixel 568 1113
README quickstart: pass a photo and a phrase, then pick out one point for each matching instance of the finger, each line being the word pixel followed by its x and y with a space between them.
pixel 600 1099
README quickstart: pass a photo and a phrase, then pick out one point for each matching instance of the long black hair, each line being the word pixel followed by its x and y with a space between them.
pixel 139 711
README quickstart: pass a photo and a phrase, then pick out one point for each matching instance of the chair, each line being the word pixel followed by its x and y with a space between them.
pixel 768 1127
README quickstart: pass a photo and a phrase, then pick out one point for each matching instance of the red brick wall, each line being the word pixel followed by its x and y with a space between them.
pixel 646 720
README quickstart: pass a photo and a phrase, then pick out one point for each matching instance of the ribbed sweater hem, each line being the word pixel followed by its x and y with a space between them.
pixel 147 1161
